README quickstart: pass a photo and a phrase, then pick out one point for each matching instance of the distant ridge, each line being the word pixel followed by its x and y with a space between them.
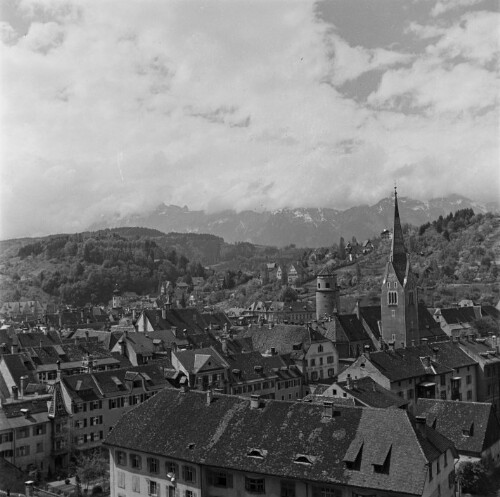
pixel 304 227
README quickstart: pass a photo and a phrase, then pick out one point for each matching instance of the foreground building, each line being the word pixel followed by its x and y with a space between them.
pixel 194 444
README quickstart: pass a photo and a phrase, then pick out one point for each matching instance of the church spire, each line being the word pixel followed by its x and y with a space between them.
pixel 398 249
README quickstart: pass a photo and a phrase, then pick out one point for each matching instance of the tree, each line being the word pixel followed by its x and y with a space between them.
pixel 90 468
pixel 473 478
pixel 288 295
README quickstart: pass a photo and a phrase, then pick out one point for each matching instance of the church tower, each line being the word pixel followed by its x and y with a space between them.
pixel 399 298
pixel 327 293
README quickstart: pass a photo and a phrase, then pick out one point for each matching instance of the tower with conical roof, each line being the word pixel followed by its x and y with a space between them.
pixel 399 298
pixel 327 294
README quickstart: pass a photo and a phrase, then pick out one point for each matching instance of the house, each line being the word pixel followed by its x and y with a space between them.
pixel 240 446
pixel 83 408
pixel 486 352
pixel 365 392
pixel 473 427
pixel 270 377
pixel 25 434
pixel 313 354
pixel 460 321
pixel 437 370
pixel 204 368
pixel 138 348
pixel 281 312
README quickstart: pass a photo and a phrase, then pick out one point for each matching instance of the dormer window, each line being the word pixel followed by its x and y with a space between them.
pixel 304 459
pixel 257 453
pixel 469 432
pixel 353 455
pixel 382 462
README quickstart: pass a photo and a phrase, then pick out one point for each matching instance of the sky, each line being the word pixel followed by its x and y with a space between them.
pixel 113 107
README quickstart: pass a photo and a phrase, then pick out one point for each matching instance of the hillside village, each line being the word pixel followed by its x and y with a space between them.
pixel 74 380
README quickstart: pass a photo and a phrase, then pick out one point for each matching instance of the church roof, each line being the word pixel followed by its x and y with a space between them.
pixel 399 257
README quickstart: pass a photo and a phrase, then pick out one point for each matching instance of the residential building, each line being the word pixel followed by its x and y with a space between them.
pixel 473 427
pixel 83 408
pixel 438 370
pixel 238 446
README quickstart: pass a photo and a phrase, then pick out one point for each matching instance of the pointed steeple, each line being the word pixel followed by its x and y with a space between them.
pixel 398 249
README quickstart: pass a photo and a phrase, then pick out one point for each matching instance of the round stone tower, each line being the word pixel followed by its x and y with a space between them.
pixel 327 295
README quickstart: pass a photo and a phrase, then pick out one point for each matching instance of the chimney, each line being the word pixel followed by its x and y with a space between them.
pixel 26 412
pixel 174 331
pixel 392 345
pixel 58 363
pixel 87 335
pixel 15 394
pixel 210 396
pixel 273 350
pixel 23 381
pixel 164 313
pixel 358 313
pixel 254 401
pixel 367 351
pixel 184 385
pixel 435 352
pixel 28 488
pixel 421 425
pixel 348 382
pixel 424 341
pixel 133 314
pixel 355 384
pixel 123 347
pixel 327 409
pixel 224 345
pixel 14 348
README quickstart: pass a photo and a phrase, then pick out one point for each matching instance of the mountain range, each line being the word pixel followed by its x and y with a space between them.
pixel 304 227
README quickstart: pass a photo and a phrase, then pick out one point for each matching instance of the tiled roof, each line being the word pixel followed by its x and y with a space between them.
pixel 353 328
pixel 455 419
pixel 37 339
pixel 283 337
pixel 369 393
pixel 371 315
pixel 408 363
pixel 101 384
pixel 222 432
pixel 270 366
pixel 195 361
pixel 455 315
pixel 19 365
pixel 35 406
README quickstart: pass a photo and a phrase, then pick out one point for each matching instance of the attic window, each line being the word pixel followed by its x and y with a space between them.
pixel 353 455
pixel 190 446
pixel 382 463
pixel 304 459
pixel 257 453
pixel 469 432
pixel 117 382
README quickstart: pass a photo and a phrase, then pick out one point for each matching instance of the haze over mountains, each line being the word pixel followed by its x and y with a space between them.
pixel 305 227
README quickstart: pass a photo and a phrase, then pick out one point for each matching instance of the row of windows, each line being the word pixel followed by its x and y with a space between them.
pixel 130 400
pixel 23 450
pixel 288 384
pixel 89 437
pixel 82 407
pixel 153 487
pixel 93 421
pixel 254 387
pixel 153 466
pixel 25 432
pixel 329 360
pixel 315 376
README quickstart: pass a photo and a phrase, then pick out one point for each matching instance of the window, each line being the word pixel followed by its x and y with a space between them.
pixel 329 359
pixel 320 348
pixel 153 465
pixel 189 474
pixel 287 489
pixel 24 450
pixel 6 437
pixel 314 375
pixel 469 394
pixel 255 485
pixel 312 362
pixel 23 432
pixel 189 493
pixel 39 430
pixel 443 394
pixel 135 461
pixel 410 394
pixel 468 379
pixel 392 298
pixel 121 479
pixel 136 484
pixel 218 478
pixel 325 492
pixel 170 491
pixel 331 372
pixel 39 447
pixel 96 420
pixel 153 488
pixel 121 458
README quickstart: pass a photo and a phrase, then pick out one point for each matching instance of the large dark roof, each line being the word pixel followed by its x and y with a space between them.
pixel 452 418
pixel 456 315
pixel 408 362
pixel 38 339
pixel 283 337
pixel 222 433
pixel 369 393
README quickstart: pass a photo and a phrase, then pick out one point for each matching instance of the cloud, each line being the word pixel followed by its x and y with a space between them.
pixel 113 107
pixel 444 6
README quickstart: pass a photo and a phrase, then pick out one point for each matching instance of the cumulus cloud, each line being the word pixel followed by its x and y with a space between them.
pixel 113 107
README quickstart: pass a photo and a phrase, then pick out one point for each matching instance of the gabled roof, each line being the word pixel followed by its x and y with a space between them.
pixel 38 339
pixel 456 315
pixel 283 337
pixel 369 393
pixel 221 434
pixel 195 361
pixel 352 327
pixel 472 426
pixel 409 362
pixel 371 314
